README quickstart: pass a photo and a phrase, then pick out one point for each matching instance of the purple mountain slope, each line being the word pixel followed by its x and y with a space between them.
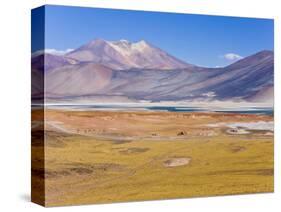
pixel 137 71
pixel 124 55
pixel 49 61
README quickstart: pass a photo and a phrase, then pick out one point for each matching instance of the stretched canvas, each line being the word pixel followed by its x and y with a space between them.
pixel 135 105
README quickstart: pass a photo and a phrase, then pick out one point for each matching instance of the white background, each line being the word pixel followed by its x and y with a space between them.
pixel 15 104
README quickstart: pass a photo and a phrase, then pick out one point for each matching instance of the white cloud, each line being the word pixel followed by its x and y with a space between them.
pixel 232 57
pixel 58 52
pixel 52 51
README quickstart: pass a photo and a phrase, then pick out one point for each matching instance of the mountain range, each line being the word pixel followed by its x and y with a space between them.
pixel 126 71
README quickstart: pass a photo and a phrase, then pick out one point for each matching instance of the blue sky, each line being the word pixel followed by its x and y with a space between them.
pixel 198 39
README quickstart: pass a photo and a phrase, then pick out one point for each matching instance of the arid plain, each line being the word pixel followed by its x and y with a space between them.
pixel 115 156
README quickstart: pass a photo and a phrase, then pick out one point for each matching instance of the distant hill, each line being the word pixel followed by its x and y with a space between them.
pixel 140 71
pixel 124 55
